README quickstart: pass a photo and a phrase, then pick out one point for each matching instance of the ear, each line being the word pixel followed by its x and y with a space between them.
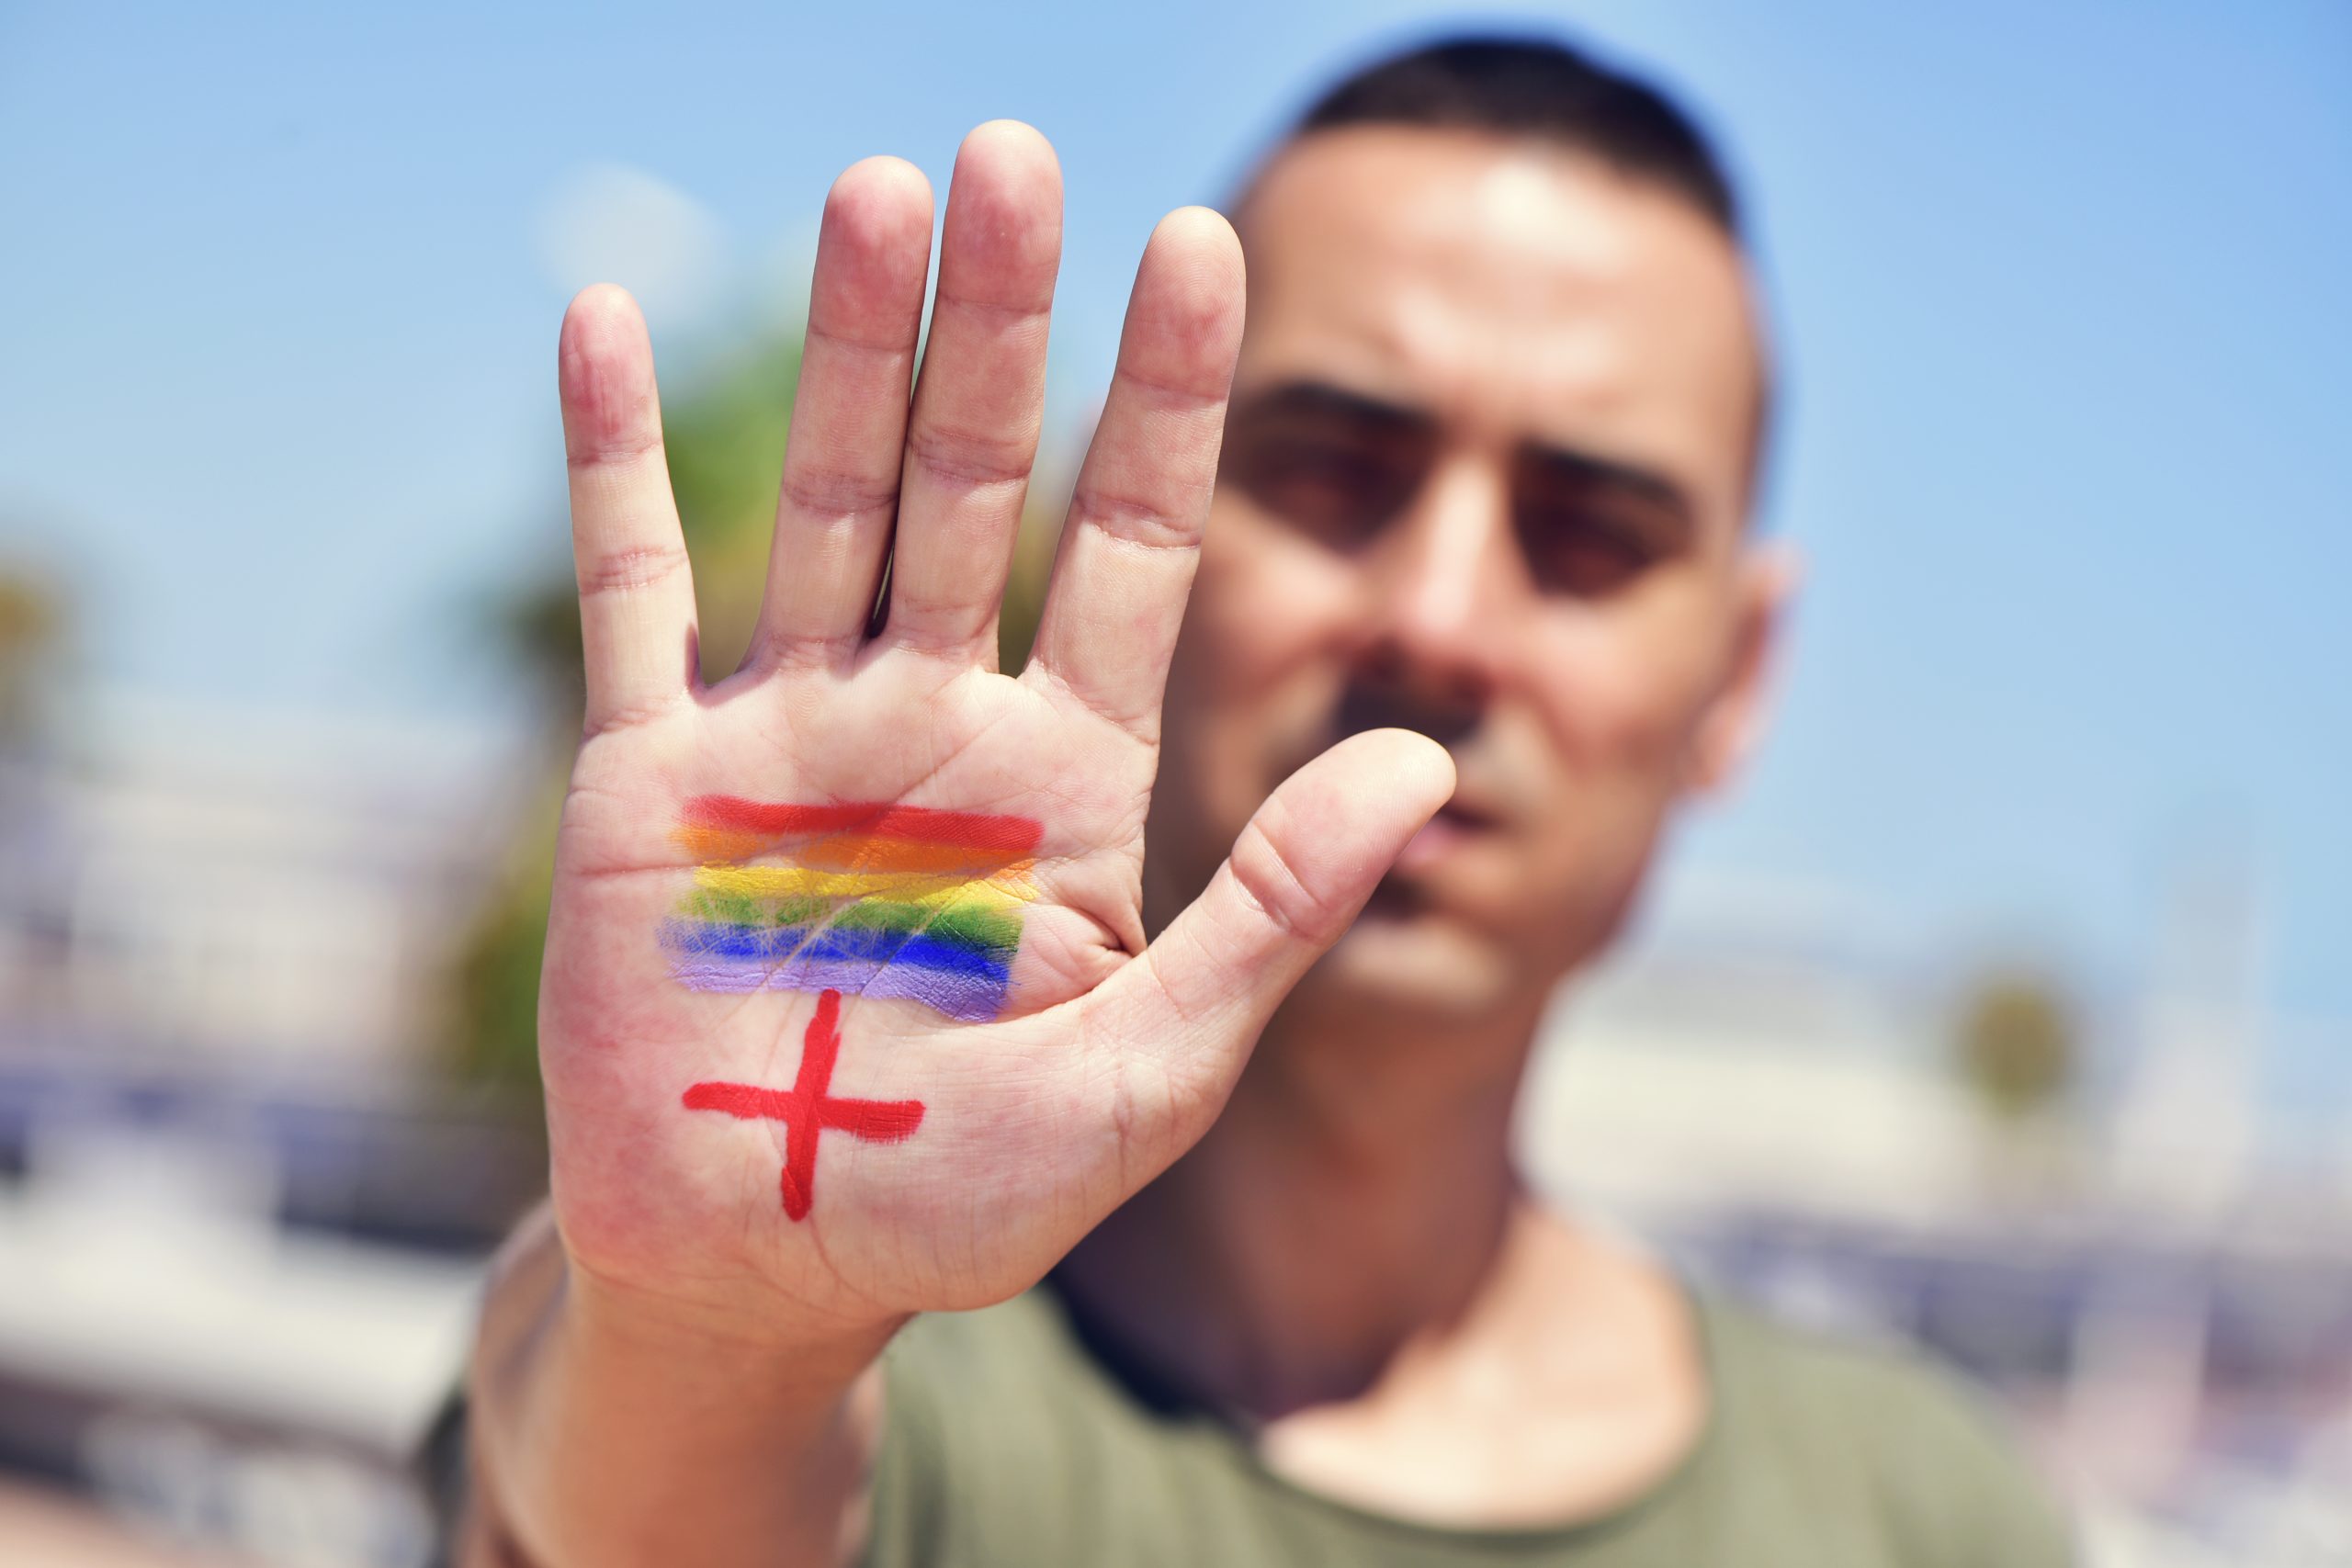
pixel 1733 722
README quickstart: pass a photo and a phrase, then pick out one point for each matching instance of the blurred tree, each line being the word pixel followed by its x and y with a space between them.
pixel 726 439
pixel 726 446
pixel 32 621
pixel 2017 1046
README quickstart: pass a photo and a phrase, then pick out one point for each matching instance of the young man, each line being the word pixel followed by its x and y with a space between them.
pixel 864 1008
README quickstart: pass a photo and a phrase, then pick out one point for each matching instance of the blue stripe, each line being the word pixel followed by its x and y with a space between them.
pixel 769 944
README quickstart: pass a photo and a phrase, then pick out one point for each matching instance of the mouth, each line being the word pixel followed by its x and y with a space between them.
pixel 1468 815
pixel 1457 824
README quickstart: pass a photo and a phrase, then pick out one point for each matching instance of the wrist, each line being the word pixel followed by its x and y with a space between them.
pixel 771 1345
pixel 604 1413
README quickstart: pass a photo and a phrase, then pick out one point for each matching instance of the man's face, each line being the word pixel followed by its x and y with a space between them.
pixel 1484 478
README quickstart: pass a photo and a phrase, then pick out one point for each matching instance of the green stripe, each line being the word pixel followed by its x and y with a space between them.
pixel 971 925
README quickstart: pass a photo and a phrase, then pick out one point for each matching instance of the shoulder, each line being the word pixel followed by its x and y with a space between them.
pixel 1880 1434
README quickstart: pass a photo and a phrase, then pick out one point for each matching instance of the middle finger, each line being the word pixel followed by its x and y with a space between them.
pixel 980 399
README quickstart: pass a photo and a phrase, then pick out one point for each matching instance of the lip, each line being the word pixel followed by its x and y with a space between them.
pixel 1455 826
pixel 1469 813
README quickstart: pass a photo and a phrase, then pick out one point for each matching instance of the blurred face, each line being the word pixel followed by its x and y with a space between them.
pixel 1485 478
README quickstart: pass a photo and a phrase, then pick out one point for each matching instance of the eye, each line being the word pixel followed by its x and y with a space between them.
pixel 1588 557
pixel 1590 534
pixel 1339 494
pixel 1335 474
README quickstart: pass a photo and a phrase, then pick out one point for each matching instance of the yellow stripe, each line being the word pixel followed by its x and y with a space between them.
pixel 1006 890
pixel 858 851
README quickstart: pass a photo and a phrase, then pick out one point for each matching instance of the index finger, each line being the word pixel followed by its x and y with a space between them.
pixel 1133 534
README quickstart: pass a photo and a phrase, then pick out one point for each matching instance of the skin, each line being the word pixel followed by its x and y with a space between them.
pixel 669 1368
pixel 1591 653
pixel 1510 300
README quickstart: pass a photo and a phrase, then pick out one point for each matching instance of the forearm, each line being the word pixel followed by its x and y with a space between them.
pixel 607 1431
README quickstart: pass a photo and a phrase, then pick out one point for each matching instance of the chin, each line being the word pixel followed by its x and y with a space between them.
pixel 1421 966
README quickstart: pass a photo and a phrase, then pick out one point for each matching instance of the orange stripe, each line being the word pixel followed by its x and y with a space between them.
pixel 847 851
pixel 876 819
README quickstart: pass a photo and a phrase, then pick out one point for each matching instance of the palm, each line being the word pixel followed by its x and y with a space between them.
pixel 846 996
pixel 981 742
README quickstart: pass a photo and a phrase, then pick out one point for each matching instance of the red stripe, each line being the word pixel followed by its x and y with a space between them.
pixel 748 1101
pixel 967 829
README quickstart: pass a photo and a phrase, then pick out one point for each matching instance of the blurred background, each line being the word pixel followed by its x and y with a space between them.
pixel 2007 1011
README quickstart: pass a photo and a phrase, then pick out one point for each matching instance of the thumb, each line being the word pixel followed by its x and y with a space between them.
pixel 1293 884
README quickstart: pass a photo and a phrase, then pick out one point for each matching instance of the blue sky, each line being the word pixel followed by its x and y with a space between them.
pixel 2061 290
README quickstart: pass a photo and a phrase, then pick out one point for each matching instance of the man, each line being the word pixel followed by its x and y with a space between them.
pixel 850 1021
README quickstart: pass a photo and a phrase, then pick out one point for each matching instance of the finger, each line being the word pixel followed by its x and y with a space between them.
pixel 1295 882
pixel 1134 532
pixel 980 402
pixel 637 594
pixel 849 414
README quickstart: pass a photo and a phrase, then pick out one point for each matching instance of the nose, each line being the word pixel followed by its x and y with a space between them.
pixel 1441 582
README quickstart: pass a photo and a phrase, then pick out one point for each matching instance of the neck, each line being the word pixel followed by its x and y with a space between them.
pixel 1355 1196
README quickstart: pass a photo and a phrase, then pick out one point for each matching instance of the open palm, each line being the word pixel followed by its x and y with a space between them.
pixel 848 1009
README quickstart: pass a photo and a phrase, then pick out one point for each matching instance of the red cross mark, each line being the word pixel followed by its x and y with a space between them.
pixel 806 1110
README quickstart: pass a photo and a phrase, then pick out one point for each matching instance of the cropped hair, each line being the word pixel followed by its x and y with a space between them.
pixel 1542 90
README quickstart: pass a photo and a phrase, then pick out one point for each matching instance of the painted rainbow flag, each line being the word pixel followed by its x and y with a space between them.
pixel 875 900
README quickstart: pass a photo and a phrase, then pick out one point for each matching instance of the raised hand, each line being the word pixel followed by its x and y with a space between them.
pixel 848 1012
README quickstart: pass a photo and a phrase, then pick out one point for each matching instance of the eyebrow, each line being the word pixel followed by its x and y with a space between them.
pixel 1608 473
pixel 1324 397
pixel 1314 397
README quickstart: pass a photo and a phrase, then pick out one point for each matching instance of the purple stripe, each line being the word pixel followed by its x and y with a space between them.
pixel 972 999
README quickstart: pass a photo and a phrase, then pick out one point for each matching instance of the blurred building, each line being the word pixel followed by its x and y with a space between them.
pixel 243 1206
pixel 237 926
pixel 242 1210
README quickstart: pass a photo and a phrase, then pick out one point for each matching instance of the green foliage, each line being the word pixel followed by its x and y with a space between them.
pixel 494 991
pixel 726 452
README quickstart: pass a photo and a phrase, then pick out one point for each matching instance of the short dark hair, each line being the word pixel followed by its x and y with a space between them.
pixel 1543 90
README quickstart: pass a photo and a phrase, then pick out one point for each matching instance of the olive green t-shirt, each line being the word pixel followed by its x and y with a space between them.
pixel 1011 1445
